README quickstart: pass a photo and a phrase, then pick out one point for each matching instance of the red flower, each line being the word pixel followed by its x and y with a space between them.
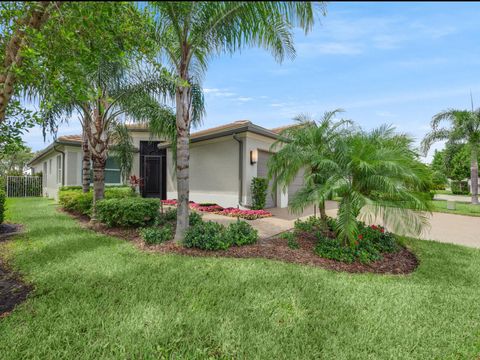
pixel 382 230
pixel 360 236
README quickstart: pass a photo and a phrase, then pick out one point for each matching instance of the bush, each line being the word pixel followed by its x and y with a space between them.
pixel 372 241
pixel 74 200
pixel 259 188
pixel 311 225
pixel 207 236
pixel 460 187
pixel 292 242
pixel 127 212
pixel 241 233
pixel 194 218
pixel 156 235
pixel 2 205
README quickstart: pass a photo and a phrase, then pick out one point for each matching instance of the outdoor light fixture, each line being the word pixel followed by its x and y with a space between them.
pixel 253 156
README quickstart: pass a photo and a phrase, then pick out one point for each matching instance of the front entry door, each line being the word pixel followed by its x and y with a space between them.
pixel 152 180
pixel 153 169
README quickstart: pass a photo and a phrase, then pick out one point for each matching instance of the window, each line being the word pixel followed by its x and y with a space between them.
pixel 59 169
pixel 112 171
pixel 50 167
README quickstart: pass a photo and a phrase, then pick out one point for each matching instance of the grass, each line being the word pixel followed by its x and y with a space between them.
pixel 99 297
pixel 443 192
pixel 462 208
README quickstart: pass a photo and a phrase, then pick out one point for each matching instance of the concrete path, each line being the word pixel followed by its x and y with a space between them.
pixel 459 198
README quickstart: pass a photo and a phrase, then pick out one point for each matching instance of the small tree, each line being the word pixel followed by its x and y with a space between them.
pixel 259 193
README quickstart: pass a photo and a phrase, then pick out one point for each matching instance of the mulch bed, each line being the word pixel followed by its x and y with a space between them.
pixel 401 262
pixel 12 290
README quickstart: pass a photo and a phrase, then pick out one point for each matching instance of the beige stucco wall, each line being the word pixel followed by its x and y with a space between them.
pixel 214 167
pixel 50 183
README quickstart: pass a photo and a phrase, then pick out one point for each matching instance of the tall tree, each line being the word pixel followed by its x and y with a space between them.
pixel 464 128
pixel 20 23
pixel 191 33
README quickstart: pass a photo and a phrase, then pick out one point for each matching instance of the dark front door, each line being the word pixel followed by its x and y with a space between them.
pixel 153 166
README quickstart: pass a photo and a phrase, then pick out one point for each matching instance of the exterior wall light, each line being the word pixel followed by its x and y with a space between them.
pixel 253 156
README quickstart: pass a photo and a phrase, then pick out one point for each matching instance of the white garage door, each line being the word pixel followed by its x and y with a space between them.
pixel 295 185
pixel 262 171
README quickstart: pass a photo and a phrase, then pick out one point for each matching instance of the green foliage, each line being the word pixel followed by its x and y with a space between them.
pixel 460 187
pixel 292 242
pixel 311 225
pixel 259 188
pixel 14 158
pixel 241 233
pixel 369 245
pixel 127 212
pixel 207 236
pixel 194 218
pixel 156 235
pixel 76 200
pixel 439 180
pixel 2 205
pixel 123 149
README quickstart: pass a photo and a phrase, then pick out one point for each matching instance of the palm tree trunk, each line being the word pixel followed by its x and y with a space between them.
pixel 85 163
pixel 34 20
pixel 321 208
pixel 474 175
pixel 98 183
pixel 183 102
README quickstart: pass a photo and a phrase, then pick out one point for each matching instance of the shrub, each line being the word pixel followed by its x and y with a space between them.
pixel 156 235
pixel 207 236
pixel 292 242
pixel 127 212
pixel 311 225
pixel 371 242
pixel 2 205
pixel 119 192
pixel 168 216
pixel 74 200
pixel 241 233
pixel 460 187
pixel 194 218
pixel 259 188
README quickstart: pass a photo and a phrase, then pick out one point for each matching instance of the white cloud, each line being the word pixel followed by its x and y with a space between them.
pixel 329 48
pixel 218 92
pixel 244 98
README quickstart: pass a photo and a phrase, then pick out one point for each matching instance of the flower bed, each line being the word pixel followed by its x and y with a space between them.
pixel 217 209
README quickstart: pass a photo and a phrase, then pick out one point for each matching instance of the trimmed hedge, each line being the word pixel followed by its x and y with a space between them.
pixel 128 212
pixel 2 205
pixel 73 199
pixel 156 235
pixel 241 233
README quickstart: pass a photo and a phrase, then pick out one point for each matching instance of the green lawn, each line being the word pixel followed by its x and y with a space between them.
pixel 443 192
pixel 462 208
pixel 98 297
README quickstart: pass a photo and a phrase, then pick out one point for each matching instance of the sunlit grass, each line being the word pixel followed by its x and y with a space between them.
pixel 461 208
pixel 98 297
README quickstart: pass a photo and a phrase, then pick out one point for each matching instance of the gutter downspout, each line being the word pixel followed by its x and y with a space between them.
pixel 63 163
pixel 240 167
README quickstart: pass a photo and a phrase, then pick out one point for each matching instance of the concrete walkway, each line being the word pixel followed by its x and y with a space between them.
pixel 459 198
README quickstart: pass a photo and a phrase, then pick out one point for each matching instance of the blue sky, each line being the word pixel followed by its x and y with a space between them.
pixel 394 63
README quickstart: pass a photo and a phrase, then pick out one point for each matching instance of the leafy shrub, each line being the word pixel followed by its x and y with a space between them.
pixel 168 216
pixel 311 225
pixel 156 235
pixel 371 242
pixel 259 188
pixel 127 212
pixel 292 242
pixel 2 205
pixel 460 187
pixel 74 200
pixel 207 236
pixel 241 233
pixel 194 218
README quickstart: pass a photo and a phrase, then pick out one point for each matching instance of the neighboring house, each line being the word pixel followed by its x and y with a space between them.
pixel 223 162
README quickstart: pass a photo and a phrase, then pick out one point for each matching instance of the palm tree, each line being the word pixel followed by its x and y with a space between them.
pixel 302 147
pixel 465 128
pixel 191 33
pixel 376 174
pixel 123 149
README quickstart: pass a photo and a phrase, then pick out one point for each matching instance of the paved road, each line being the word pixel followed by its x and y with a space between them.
pixel 460 198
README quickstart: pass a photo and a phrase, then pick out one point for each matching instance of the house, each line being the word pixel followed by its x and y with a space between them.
pixel 223 162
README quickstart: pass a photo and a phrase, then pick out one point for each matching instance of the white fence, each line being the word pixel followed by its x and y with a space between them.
pixel 23 186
